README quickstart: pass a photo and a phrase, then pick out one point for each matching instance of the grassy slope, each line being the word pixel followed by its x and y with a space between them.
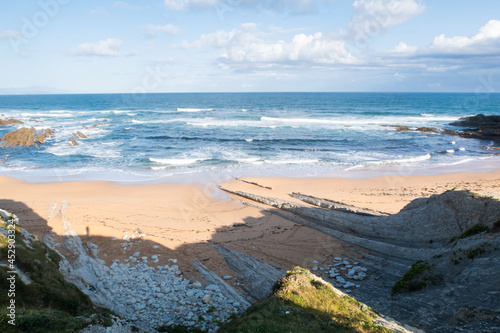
pixel 301 303
pixel 49 303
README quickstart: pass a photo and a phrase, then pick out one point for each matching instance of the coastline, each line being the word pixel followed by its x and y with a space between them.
pixel 182 219
pixel 182 226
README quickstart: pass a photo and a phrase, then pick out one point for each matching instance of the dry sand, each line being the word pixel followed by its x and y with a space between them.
pixel 179 221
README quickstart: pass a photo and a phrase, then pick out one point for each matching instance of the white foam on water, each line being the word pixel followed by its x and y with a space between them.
pixel 409 160
pixel 290 161
pixel 192 110
pixel 175 161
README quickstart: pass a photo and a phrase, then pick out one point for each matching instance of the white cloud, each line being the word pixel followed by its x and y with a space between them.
pixel 401 50
pixel 185 4
pixel 98 10
pixel 399 77
pixel 122 4
pixel 371 17
pixel 292 6
pixel 106 48
pixel 486 41
pixel 8 34
pixel 246 46
pixel 151 30
pixel 441 69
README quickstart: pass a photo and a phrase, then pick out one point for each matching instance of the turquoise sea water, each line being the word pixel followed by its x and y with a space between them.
pixel 174 136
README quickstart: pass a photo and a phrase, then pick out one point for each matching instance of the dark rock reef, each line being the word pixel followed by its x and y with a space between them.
pixel 480 127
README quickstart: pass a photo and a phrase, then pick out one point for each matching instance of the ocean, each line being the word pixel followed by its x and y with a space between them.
pixel 190 136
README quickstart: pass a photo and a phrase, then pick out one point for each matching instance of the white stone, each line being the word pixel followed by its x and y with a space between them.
pixel 340 279
pixel 136 254
pixel 227 277
pixel 212 287
pixel 315 268
pixel 173 261
pixel 337 259
pixel 348 285
pixel 206 299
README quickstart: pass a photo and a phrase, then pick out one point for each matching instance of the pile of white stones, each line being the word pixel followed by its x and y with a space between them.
pixel 342 270
pixel 162 297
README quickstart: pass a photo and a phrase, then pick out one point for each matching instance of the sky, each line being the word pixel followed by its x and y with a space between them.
pixel 145 46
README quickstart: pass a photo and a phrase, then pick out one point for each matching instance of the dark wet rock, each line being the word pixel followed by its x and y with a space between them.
pixel 25 137
pixel 11 121
pixel 449 132
pixel 427 130
pixel 480 127
pixel 400 128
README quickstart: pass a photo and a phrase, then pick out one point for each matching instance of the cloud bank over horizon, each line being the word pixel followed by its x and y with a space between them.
pixel 249 45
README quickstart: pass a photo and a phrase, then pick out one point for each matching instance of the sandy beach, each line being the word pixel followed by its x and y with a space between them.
pixel 180 221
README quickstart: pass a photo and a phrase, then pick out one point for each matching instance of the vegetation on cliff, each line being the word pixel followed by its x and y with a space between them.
pixel 44 301
pixel 303 303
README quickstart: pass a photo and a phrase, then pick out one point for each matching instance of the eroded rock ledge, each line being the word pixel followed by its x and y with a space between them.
pixel 452 238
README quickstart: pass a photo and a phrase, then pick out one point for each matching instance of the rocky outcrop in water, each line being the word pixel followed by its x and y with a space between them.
pixel 476 127
pixel 480 127
pixel 26 137
pixel 11 121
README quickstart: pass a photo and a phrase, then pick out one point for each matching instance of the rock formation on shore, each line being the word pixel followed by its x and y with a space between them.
pixel 433 265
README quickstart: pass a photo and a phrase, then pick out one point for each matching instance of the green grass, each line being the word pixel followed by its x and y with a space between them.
pixel 302 304
pixel 40 320
pixel 179 329
pixel 474 230
pixel 418 277
pixel 49 303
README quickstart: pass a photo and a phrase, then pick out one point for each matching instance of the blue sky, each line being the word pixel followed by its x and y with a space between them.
pixel 69 46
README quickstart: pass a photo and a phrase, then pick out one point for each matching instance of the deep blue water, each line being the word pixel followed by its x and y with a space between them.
pixel 155 136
